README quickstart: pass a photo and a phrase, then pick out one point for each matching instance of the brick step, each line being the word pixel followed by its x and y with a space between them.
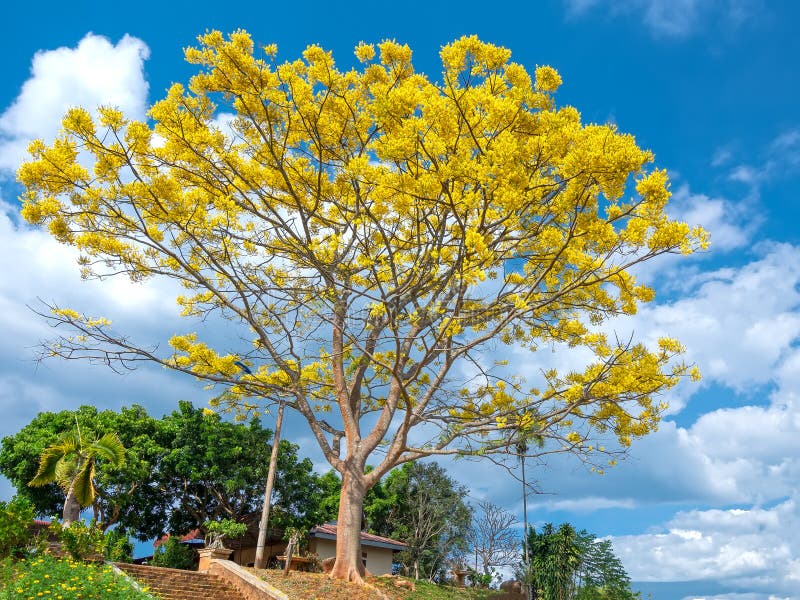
pixel 175 584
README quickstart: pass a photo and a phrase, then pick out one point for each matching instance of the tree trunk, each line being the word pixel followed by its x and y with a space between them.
pixel 261 557
pixel 348 565
pixel 72 510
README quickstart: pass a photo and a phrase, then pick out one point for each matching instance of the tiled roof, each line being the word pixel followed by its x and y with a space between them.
pixel 193 536
pixel 367 539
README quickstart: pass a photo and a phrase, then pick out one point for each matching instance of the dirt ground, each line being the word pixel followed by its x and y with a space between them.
pixel 318 586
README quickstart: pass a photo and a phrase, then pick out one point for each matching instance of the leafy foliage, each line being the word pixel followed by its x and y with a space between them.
pixel 48 577
pixel 16 537
pixel 186 468
pixel 128 496
pixel 215 469
pixel 71 463
pixel 86 541
pixel 217 531
pixel 426 509
pixel 574 565
pixel 174 555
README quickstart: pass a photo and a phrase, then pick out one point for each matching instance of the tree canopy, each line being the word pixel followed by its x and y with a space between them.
pixel 127 496
pixel 71 463
pixel 181 470
pixel 214 469
pixel 372 233
pixel 566 564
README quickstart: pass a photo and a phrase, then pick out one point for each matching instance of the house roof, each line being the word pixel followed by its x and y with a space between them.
pixel 193 537
pixel 328 532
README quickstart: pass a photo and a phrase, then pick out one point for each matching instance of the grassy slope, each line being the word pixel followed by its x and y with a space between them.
pixel 62 579
pixel 299 585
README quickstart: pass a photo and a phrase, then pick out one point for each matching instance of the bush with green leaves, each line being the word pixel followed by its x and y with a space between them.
pixel 87 541
pixel 217 531
pixel 118 546
pixel 78 539
pixel 46 576
pixel 16 536
pixel 174 555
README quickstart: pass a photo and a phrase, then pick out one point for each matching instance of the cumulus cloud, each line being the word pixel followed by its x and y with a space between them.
pixel 730 224
pixel 737 323
pixel 748 548
pixel 96 72
pixel 741 326
pixel 34 265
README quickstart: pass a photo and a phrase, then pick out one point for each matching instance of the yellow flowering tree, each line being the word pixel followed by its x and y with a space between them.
pixel 374 232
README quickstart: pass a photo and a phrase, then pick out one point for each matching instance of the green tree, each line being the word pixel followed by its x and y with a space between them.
pixel 188 467
pixel 601 575
pixel 426 509
pixel 126 496
pixel 71 463
pixel 215 469
pixel 566 564
pixel 174 555
pixel 16 519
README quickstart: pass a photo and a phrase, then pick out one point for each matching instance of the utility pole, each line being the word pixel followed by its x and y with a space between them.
pixel 522 450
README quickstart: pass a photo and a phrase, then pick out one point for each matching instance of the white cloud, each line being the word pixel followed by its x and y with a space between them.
pixel 749 549
pixel 721 156
pixel 741 326
pixel 737 324
pixel 731 225
pixel 94 73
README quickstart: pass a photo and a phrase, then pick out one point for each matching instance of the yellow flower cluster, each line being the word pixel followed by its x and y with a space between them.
pixel 66 579
pixel 375 206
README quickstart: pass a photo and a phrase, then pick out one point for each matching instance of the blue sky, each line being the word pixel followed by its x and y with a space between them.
pixel 706 507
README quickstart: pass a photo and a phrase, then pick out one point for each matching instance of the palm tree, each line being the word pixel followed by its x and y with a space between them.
pixel 70 463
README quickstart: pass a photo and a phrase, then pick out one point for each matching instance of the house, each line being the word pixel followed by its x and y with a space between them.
pixel 377 552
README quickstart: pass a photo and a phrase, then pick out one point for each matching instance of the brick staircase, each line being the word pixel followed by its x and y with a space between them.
pixel 175 584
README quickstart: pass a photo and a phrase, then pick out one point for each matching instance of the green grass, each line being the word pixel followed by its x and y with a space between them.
pixel 62 579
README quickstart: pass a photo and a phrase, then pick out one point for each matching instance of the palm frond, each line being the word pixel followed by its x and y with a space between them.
pixel 83 485
pixel 108 447
pixel 66 470
pixel 47 467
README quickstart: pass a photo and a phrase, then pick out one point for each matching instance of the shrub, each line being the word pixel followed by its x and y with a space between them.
pixel 49 577
pixel 219 530
pixel 174 555
pixel 118 546
pixel 86 541
pixel 16 536
pixel 79 540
